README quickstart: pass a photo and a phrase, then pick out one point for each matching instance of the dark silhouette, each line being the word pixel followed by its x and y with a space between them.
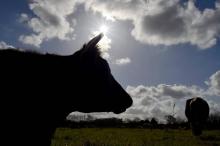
pixel 38 91
pixel 197 113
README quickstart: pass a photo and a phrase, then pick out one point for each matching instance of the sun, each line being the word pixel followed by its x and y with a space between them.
pixel 103 29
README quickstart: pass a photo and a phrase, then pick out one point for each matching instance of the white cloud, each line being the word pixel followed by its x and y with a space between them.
pixel 50 21
pixel 155 22
pixel 4 45
pixel 163 90
pixel 159 101
pixel 123 61
pixel 116 9
pixel 159 22
pixel 23 18
pixel 32 39
pixel 214 83
pixel 215 107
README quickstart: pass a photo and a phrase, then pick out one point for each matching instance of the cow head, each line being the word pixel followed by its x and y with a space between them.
pixel 99 91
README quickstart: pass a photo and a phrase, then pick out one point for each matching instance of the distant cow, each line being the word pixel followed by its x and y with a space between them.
pixel 38 91
pixel 197 112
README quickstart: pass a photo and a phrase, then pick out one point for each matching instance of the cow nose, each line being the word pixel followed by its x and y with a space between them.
pixel 123 99
pixel 129 101
pixel 125 103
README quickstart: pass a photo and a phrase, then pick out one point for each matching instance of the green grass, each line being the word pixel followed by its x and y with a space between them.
pixel 132 137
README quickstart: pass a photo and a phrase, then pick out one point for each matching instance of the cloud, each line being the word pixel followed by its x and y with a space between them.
pixel 123 61
pixel 214 83
pixel 158 101
pixel 163 90
pixel 155 22
pixel 50 21
pixel 23 18
pixel 214 107
pixel 116 9
pixel 4 45
pixel 159 22
pixel 161 100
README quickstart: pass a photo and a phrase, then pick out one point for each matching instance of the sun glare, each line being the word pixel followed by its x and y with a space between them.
pixel 103 29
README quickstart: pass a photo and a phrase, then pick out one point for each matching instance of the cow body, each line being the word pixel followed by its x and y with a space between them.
pixel 39 91
pixel 197 112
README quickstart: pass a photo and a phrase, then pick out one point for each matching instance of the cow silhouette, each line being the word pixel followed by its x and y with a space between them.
pixel 38 91
pixel 197 112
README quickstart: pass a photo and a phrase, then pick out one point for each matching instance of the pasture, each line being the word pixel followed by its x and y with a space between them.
pixel 132 137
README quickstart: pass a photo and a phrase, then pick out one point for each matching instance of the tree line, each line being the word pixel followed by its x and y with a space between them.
pixel 213 122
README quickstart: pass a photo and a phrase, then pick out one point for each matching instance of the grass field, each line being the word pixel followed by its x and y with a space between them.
pixel 132 137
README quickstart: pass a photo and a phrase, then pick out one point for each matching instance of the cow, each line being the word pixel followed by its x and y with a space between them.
pixel 38 91
pixel 197 112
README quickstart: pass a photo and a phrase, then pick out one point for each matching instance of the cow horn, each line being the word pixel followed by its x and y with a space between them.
pixel 92 43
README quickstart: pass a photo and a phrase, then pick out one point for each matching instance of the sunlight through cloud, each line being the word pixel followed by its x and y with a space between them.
pixel 103 29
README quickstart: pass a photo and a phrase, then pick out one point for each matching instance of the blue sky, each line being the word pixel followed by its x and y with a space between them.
pixel 152 46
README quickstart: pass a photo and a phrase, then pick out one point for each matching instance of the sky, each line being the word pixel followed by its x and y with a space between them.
pixel 161 52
